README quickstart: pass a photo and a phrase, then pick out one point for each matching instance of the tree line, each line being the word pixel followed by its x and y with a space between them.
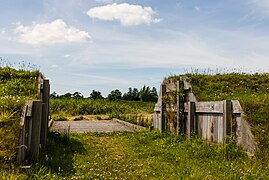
pixel 145 94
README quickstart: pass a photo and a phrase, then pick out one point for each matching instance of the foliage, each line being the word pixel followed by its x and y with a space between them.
pixel 131 95
pixel 86 106
pixel 148 95
pixel 141 155
pixel 96 95
pixel 114 95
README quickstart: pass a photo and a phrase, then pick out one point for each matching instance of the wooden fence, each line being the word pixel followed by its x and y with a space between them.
pixel 34 124
pixel 178 111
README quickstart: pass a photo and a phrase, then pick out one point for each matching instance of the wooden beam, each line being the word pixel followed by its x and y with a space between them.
pixel 191 119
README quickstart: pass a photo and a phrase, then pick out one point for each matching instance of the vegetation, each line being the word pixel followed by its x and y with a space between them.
pixel 133 111
pixel 252 90
pixel 15 87
pixel 141 155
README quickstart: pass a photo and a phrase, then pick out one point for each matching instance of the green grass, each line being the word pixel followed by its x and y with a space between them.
pixel 252 90
pixel 136 112
pixel 142 155
pixel 16 86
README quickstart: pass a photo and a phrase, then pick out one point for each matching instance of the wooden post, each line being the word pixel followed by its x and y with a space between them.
pixel 180 107
pixel 45 113
pixel 163 108
pixel 36 129
pixel 227 117
pixel 191 118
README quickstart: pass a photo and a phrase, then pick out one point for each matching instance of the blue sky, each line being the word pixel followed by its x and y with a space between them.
pixel 81 45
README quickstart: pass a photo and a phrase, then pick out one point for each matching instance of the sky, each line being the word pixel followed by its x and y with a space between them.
pixel 81 45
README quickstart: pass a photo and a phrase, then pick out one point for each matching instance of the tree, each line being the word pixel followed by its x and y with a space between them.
pixel 54 95
pixel 148 95
pixel 131 95
pixel 66 95
pixel 96 95
pixel 77 95
pixel 115 95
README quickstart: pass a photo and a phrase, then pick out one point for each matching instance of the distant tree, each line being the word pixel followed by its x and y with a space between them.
pixel 77 95
pixel 115 95
pixel 54 95
pixel 66 95
pixel 131 95
pixel 148 95
pixel 96 95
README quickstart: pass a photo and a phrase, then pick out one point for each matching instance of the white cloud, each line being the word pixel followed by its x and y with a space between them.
pixel 126 14
pixel 51 33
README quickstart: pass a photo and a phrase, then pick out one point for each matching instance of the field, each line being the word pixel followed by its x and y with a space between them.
pixel 139 155
pixel 142 155
pixel 132 111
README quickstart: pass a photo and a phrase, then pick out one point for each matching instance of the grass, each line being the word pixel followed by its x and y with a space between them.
pixel 15 87
pixel 136 112
pixel 141 155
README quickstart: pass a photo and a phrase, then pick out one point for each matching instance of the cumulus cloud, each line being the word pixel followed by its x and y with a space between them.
pixel 126 14
pixel 51 33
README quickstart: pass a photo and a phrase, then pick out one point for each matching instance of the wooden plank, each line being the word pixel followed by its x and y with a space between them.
pixel 36 128
pixel 29 108
pixel 227 117
pixel 163 108
pixel 220 129
pixel 191 118
pixel 207 107
pixel 200 123
pixel 236 107
pixel 45 113
pixel 215 127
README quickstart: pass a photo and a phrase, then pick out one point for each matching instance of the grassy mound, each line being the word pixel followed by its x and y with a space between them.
pixel 252 90
pixel 15 87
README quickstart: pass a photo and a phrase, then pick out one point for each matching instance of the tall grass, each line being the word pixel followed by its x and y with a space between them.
pixel 133 111
pixel 15 87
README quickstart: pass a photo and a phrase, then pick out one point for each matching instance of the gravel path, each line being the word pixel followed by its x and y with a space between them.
pixel 90 126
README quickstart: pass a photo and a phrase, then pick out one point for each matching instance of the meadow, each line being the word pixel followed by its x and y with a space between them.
pixel 137 112
pixel 141 155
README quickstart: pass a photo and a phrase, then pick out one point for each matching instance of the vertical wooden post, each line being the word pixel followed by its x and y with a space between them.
pixel 36 128
pixel 227 117
pixel 191 118
pixel 163 108
pixel 45 113
pixel 180 107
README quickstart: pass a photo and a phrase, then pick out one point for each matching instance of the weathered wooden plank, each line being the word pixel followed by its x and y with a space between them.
pixel 207 107
pixel 163 109
pixel 191 118
pixel 227 117
pixel 29 108
pixel 215 127
pixel 36 128
pixel 45 113
pixel 236 107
